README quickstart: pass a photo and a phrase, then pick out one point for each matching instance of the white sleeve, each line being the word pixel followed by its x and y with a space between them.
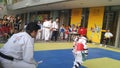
pixel 111 35
pixel 85 44
pixel 53 25
pixel 28 52
pixel 44 24
pixel 105 34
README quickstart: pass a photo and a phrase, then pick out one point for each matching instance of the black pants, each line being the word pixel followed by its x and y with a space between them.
pixel 54 35
pixel 106 41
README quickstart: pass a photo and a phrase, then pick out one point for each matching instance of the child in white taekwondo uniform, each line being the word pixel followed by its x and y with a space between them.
pixel 47 26
pixel 80 50
pixel 17 52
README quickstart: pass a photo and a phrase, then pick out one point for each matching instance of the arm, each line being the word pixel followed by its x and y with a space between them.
pixel 28 52
pixel 111 35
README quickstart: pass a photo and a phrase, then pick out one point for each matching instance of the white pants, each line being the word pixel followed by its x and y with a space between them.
pixel 78 57
pixel 66 36
pixel 47 34
pixel 38 37
pixel 50 34
pixel 43 33
pixel 15 64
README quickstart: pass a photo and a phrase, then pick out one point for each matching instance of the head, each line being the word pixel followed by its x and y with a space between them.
pixel 18 17
pixel 45 19
pixel 50 18
pixel 32 29
pixel 57 19
pixel 62 25
pixel 108 30
pixel 5 17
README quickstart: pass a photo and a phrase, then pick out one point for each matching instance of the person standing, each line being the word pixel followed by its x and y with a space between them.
pixel 50 20
pixel 62 32
pixel 38 37
pixel 43 29
pixel 80 50
pixel 18 23
pixel 17 52
pixel 47 26
pixel 55 29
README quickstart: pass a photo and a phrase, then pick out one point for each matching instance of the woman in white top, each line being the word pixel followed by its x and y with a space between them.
pixel 18 51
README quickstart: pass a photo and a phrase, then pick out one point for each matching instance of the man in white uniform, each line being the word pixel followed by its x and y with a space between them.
pixel 47 26
pixel 50 21
pixel 38 37
pixel 17 52
pixel 43 30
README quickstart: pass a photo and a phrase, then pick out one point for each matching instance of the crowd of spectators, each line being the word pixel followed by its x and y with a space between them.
pixel 8 26
pixel 11 24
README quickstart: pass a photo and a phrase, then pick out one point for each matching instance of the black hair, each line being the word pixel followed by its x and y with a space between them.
pixel 57 18
pixel 49 18
pixel 1 19
pixel 4 16
pixel 32 26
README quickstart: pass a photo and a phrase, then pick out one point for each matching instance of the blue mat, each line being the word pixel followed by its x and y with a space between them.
pixel 64 58
pixel 99 53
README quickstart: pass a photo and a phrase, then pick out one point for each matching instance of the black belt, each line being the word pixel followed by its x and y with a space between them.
pixel 6 57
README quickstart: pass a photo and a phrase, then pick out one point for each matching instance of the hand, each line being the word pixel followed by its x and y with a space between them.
pixel 40 62
pixel 73 50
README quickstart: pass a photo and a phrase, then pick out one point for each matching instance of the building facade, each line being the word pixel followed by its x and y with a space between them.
pixel 96 18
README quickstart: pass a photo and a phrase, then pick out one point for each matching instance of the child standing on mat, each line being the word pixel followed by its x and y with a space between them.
pixel 80 50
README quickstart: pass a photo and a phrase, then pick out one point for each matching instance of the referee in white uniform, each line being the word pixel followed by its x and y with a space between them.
pixel 18 51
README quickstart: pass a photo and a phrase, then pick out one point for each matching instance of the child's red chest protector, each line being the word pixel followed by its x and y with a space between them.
pixel 80 47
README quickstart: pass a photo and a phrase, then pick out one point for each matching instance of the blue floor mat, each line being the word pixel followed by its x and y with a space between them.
pixel 99 53
pixel 64 58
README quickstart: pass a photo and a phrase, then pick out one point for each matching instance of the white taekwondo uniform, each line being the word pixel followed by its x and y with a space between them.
pixel 20 46
pixel 43 31
pixel 50 22
pixel 79 50
pixel 39 33
pixel 47 26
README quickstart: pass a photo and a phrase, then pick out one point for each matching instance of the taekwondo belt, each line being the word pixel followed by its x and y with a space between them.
pixel 6 57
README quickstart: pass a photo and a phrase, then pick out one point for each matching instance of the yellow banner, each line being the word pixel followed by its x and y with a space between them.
pixel 95 22
pixel 76 16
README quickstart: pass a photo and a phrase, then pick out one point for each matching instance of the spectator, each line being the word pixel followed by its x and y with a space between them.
pixel 107 37
pixel 62 32
pixel 55 28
